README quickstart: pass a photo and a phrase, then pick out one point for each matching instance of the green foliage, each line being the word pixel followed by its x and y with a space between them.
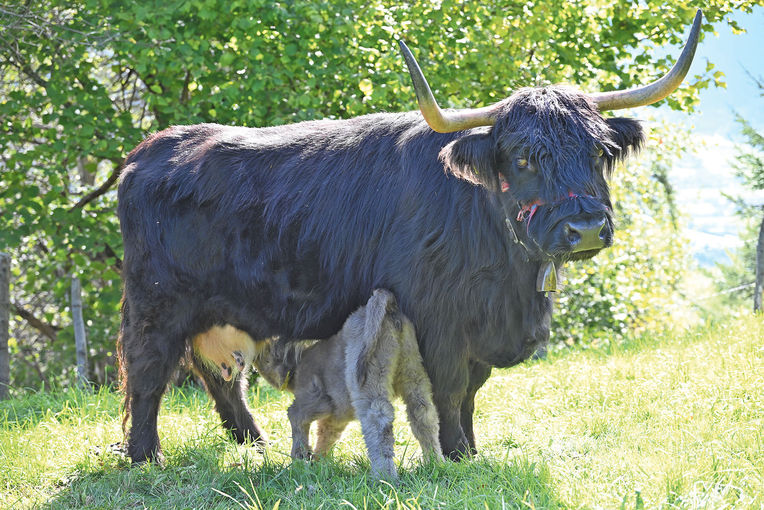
pixel 631 286
pixel 83 81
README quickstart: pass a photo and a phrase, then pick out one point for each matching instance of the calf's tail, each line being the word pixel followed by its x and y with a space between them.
pixel 380 304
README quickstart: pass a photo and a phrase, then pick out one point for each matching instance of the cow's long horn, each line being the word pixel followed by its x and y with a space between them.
pixel 440 120
pixel 658 89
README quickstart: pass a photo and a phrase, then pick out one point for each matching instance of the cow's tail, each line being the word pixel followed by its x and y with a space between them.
pixel 124 384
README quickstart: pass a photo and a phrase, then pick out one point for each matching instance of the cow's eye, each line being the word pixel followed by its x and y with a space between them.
pixel 522 163
pixel 600 152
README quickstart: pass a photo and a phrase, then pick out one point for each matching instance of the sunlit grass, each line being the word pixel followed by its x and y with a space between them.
pixel 653 422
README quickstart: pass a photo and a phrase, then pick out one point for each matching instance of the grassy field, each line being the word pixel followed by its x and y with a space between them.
pixel 672 422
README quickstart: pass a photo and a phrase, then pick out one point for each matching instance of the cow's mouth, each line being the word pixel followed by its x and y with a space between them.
pixel 528 209
pixel 581 255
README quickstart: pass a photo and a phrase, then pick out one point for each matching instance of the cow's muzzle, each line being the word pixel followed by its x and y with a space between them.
pixel 587 234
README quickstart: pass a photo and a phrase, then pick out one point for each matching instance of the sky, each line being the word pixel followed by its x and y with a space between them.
pixel 701 178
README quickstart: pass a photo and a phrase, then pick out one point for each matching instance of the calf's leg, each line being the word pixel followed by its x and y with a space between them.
pixel 376 414
pixel 329 431
pixel 300 419
pixel 310 404
pixel 415 389
pixel 423 419
pixel 300 435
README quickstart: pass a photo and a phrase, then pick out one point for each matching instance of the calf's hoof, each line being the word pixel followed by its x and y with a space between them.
pixel 386 471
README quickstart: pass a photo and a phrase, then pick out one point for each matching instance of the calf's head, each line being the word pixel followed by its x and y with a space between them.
pixel 547 153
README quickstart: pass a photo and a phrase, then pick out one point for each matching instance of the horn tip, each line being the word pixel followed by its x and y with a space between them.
pixel 406 52
pixel 698 18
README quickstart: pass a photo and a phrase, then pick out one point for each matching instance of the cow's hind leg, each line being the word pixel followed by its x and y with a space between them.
pixel 231 404
pixel 150 357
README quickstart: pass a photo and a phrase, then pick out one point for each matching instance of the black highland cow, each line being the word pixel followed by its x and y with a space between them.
pixel 284 231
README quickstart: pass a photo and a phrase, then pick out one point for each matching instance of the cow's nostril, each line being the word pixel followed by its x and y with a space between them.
pixel 604 233
pixel 572 235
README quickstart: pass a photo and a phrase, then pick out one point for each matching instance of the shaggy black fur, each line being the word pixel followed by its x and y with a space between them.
pixel 284 231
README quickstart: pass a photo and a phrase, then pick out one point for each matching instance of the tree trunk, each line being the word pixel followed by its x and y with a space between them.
pixel 79 333
pixel 5 314
pixel 759 288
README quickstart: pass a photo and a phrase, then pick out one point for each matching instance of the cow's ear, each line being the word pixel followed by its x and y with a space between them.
pixel 627 134
pixel 472 158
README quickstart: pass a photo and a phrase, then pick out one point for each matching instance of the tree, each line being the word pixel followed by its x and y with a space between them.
pixel 5 283
pixel 749 166
pixel 83 81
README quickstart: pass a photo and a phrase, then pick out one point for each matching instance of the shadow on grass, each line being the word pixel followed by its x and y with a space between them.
pixel 200 479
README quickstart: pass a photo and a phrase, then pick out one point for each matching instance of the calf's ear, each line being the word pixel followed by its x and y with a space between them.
pixel 627 134
pixel 472 158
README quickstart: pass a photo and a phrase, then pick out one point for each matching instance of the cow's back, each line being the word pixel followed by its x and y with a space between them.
pixel 277 230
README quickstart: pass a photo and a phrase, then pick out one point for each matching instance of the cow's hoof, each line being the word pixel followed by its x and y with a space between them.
pixel 139 457
pixel 460 453
pixel 157 458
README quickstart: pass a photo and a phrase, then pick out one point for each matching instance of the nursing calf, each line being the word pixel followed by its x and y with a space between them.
pixel 353 374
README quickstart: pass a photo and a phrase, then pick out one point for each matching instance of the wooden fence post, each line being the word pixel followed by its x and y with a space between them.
pixel 80 341
pixel 5 314
pixel 758 289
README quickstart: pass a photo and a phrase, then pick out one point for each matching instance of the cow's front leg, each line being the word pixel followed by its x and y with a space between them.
pixel 452 439
pixel 449 390
pixel 478 374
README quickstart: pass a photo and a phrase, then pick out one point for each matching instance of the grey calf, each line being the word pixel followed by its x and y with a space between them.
pixel 354 374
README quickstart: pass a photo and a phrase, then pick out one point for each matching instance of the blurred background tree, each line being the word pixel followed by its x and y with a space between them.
pixel 83 81
pixel 635 285
pixel 747 267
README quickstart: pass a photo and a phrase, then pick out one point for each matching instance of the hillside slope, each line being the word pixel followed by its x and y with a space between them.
pixel 658 422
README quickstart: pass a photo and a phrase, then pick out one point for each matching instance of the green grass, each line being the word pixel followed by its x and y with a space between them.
pixel 666 422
